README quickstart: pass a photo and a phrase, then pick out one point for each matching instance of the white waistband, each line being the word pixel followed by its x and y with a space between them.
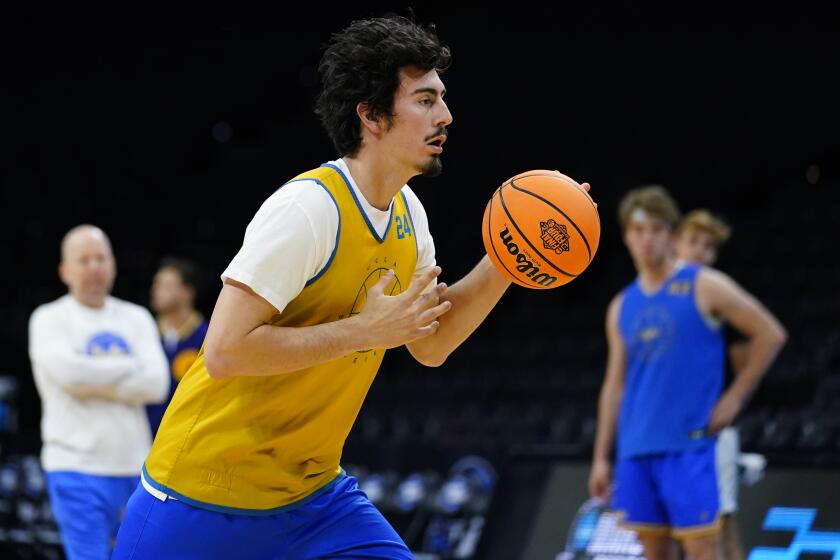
pixel 162 496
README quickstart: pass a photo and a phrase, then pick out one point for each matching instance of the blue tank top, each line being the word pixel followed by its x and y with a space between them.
pixel 674 375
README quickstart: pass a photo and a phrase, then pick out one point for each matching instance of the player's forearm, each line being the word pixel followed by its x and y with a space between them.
pixel 86 375
pixel 472 298
pixel 270 350
pixel 147 383
pixel 142 389
pixel 609 403
pixel 762 349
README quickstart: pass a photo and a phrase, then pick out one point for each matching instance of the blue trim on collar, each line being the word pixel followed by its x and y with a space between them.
pixel 413 229
pixel 359 206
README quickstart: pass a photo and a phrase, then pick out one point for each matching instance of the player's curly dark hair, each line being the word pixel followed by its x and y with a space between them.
pixel 362 64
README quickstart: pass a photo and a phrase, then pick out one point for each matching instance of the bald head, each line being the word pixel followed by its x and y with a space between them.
pixel 87 265
pixel 79 235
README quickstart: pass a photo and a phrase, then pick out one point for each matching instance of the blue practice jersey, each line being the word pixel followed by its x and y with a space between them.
pixel 674 375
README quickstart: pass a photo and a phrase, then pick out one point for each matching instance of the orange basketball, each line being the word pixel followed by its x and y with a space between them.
pixel 541 229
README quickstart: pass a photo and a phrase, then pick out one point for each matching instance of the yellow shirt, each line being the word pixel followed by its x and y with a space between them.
pixel 255 444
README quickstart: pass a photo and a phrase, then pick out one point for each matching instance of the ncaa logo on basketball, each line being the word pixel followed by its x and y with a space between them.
pixel 524 264
pixel 554 236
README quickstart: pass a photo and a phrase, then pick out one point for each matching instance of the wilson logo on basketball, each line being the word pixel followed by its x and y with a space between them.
pixel 523 263
pixel 554 236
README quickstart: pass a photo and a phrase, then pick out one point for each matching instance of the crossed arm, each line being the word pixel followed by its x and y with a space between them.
pixel 134 379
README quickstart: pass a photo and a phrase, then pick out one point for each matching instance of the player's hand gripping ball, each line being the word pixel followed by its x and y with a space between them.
pixel 541 229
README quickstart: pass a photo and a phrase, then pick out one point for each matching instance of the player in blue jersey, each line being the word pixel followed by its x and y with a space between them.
pixel 182 328
pixel 662 394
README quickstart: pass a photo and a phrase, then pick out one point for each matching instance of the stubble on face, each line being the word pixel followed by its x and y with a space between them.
pixel 433 168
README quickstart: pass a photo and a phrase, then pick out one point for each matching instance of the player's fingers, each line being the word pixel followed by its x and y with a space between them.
pixel 586 187
pixel 384 281
pixel 434 312
pixel 430 298
pixel 431 328
pixel 420 283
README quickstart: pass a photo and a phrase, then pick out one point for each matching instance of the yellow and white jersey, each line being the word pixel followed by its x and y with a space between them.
pixel 255 444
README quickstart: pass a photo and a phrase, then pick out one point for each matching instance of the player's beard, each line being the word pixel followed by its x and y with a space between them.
pixel 433 168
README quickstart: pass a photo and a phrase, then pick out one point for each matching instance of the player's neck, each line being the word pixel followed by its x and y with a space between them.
pixel 377 177
pixel 175 319
pixel 93 301
pixel 654 275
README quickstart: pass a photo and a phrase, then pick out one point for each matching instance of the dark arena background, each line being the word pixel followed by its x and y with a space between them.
pixel 170 135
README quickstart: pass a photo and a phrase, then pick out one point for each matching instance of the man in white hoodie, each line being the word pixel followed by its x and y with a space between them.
pixel 97 361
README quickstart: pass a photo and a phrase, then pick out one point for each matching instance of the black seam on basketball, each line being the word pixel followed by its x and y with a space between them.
pixel 490 233
pixel 583 192
pixel 509 181
pixel 574 225
pixel 513 223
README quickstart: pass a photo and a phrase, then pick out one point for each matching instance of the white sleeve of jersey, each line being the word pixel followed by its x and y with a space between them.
pixel 425 243
pixel 288 242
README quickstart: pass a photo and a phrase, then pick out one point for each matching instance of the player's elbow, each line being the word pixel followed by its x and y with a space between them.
pixel 428 356
pixel 159 391
pixel 216 361
pixel 612 391
pixel 435 361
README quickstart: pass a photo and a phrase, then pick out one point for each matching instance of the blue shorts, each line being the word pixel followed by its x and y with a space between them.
pixel 339 523
pixel 88 509
pixel 669 493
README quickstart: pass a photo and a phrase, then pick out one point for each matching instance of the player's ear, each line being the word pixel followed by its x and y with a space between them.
pixel 375 125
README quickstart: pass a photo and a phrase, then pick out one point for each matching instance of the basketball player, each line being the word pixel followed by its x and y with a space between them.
pixel 698 239
pixel 96 360
pixel 337 266
pixel 182 328
pixel 662 390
